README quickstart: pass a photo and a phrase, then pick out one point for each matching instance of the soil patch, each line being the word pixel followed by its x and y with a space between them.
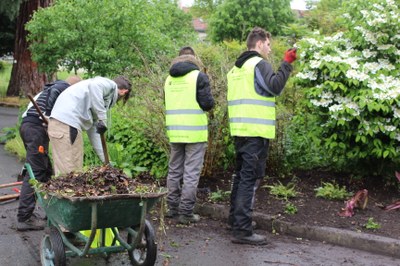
pixel 317 211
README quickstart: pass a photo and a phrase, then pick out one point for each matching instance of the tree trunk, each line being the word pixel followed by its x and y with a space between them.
pixel 25 76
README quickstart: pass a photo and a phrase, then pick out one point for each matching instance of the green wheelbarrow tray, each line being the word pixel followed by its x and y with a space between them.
pixel 76 213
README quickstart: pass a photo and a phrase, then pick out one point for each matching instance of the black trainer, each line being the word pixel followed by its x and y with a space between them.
pixel 229 226
pixel 30 224
pixel 171 214
pixel 254 239
pixel 187 219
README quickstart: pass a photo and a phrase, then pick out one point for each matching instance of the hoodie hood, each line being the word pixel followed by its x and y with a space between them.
pixel 244 57
pixel 183 64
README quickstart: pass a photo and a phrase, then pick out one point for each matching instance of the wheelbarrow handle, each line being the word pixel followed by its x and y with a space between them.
pixel 8 197
pixel 11 184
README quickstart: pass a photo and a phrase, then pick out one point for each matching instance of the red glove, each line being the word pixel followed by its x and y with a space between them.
pixel 290 55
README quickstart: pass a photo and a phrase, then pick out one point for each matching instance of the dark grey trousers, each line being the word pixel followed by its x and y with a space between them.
pixel 185 165
pixel 251 157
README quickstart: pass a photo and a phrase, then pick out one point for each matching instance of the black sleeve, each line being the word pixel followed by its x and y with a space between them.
pixel 203 92
pixel 273 83
pixel 54 92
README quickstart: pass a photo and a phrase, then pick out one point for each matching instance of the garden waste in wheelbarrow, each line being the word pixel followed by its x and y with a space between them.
pixel 123 214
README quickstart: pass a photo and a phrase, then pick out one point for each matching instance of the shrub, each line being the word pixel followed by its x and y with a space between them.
pixel 352 82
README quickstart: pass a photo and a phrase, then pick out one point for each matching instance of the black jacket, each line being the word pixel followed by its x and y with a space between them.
pixel 46 101
pixel 266 81
pixel 203 90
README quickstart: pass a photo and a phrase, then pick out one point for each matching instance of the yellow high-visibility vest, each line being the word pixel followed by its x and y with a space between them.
pixel 250 114
pixel 186 122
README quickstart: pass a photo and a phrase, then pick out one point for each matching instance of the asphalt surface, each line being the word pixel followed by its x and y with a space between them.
pixel 206 243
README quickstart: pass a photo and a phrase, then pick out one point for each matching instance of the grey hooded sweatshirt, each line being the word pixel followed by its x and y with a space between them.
pixel 83 104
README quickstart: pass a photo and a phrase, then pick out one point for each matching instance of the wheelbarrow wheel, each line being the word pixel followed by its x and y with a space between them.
pixel 52 250
pixel 145 253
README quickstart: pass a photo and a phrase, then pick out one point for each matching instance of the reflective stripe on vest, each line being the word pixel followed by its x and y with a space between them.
pixel 250 114
pixel 186 122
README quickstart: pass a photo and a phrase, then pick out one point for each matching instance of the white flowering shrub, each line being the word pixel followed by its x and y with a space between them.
pixel 352 81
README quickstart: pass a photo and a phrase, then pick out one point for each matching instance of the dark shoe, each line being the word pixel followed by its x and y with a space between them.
pixel 254 239
pixel 229 226
pixel 30 224
pixel 37 216
pixel 187 219
pixel 171 214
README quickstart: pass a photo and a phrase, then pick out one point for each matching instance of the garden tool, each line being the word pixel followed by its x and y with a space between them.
pixel 11 196
pixel 104 145
pixel 37 108
pixel 99 239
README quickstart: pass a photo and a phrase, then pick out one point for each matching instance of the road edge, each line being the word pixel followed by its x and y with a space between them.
pixel 345 238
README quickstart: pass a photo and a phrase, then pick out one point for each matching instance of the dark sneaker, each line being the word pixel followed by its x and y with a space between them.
pixel 254 239
pixel 30 224
pixel 229 226
pixel 171 214
pixel 39 217
pixel 187 219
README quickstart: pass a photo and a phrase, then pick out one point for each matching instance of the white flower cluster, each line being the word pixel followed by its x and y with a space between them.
pixel 307 75
pixel 385 87
pixel 374 67
pixel 396 112
pixel 367 53
pixel 354 74
pixel 325 99
pixel 374 18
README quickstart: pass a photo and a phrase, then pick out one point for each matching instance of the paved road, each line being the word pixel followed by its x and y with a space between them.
pixel 207 243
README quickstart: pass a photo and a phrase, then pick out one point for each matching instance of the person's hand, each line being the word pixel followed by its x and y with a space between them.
pixel 101 127
pixel 290 55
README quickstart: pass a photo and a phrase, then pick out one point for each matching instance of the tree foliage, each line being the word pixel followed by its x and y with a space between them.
pixel 324 16
pixel 233 19
pixel 106 37
pixel 204 8
pixel 10 8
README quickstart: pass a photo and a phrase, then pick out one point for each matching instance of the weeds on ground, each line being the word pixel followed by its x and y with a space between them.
pixel 332 191
pixel 290 208
pixel 281 191
pixel 16 146
pixel 219 196
pixel 9 133
pixel 371 224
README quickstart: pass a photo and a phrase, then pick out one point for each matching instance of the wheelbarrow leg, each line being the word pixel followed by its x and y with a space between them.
pixel 93 228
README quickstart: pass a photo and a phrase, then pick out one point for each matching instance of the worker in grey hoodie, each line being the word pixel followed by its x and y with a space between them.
pixel 82 107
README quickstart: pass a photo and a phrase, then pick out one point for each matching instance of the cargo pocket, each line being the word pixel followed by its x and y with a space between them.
pixel 56 134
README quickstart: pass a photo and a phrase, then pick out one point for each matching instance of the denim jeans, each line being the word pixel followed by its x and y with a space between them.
pixel 251 157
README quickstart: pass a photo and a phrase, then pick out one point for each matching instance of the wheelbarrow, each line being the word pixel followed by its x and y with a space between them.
pixel 125 214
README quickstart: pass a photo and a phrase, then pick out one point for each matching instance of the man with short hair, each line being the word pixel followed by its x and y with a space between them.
pixel 82 107
pixel 252 87
pixel 187 98
pixel 33 131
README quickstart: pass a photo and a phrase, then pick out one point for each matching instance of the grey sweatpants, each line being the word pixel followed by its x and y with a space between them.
pixel 185 165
